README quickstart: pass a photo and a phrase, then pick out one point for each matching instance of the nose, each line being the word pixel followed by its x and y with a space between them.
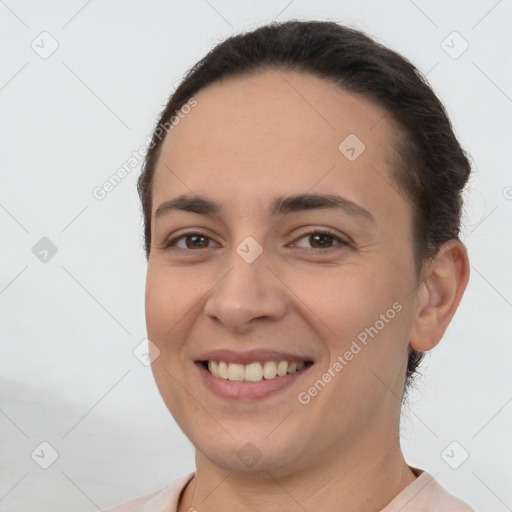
pixel 249 293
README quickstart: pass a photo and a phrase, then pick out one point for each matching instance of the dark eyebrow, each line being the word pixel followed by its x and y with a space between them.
pixel 278 206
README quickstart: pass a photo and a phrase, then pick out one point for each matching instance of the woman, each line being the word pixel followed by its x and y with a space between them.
pixel 302 199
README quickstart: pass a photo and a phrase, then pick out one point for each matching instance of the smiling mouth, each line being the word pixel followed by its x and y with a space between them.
pixel 254 372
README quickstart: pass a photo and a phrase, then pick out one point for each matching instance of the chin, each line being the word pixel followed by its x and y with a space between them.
pixel 247 453
pixel 249 458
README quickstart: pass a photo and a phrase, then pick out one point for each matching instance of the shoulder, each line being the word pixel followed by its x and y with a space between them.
pixel 163 500
pixel 425 494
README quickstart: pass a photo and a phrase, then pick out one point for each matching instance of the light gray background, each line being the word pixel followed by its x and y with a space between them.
pixel 69 325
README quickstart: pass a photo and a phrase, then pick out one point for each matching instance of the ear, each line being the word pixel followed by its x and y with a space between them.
pixel 439 295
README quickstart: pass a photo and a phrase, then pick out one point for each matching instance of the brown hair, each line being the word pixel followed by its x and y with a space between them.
pixel 431 167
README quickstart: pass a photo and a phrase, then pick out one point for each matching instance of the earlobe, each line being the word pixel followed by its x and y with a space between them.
pixel 439 295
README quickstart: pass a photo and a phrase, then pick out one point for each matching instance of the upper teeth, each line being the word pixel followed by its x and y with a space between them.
pixel 253 372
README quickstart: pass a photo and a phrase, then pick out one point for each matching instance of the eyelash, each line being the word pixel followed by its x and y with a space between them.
pixel 171 244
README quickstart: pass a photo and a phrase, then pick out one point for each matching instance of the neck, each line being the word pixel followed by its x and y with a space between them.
pixel 363 476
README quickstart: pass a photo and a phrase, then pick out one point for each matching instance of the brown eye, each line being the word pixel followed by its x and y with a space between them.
pixel 321 240
pixel 192 241
pixel 197 241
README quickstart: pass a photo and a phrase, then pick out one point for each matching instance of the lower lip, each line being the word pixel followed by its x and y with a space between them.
pixel 243 390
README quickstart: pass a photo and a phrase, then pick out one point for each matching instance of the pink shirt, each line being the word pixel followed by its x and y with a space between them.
pixel 423 495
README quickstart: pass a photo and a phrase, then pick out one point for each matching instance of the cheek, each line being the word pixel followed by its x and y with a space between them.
pixel 349 299
pixel 366 352
pixel 173 302
pixel 169 299
pixel 167 302
pixel 364 321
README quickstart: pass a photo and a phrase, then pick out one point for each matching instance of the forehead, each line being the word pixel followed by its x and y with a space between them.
pixel 282 130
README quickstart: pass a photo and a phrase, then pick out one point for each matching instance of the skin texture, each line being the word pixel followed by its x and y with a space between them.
pixel 249 139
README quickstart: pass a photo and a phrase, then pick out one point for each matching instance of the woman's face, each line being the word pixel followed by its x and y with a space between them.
pixel 331 286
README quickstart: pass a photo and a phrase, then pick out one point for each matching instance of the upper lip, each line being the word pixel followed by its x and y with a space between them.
pixel 251 356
